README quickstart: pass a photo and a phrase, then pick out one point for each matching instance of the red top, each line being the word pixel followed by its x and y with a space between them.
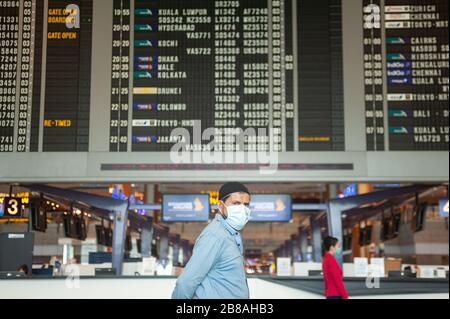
pixel 333 278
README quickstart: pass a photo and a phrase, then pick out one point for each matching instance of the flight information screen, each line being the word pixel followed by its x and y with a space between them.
pixel 406 55
pixel 225 65
pixel 300 77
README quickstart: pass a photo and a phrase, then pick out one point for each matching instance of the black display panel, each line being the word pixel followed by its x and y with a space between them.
pixel 68 73
pixel 230 65
pixel 208 62
pixel 406 53
pixel 320 90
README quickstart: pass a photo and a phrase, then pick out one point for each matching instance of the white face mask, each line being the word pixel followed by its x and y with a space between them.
pixel 238 216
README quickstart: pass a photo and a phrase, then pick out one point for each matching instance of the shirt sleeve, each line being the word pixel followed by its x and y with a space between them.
pixel 205 255
pixel 336 277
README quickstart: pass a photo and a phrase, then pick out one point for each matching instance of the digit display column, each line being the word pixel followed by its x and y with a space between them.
pixel 9 55
pixel 120 87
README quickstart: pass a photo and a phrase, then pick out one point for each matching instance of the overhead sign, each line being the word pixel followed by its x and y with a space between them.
pixel 186 208
pixel 271 208
pixel 12 207
pixel 24 200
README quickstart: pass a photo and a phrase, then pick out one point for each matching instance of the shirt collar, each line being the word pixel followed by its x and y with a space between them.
pixel 230 229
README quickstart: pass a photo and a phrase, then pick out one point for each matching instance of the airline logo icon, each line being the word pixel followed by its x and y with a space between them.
pixel 198 205
pixel 397 9
pixel 280 205
pixel 398 25
pixel 397 40
pixel 400 97
pixel 143 75
pixel 144 67
pixel 144 123
pixel 143 43
pixel 145 139
pixel 145 12
pixel 146 59
pixel 398 17
pixel 392 73
pixel 399 80
pixel 396 56
pixel 141 123
pixel 145 107
pixel 145 27
pixel 398 113
pixel 399 65
pixel 398 130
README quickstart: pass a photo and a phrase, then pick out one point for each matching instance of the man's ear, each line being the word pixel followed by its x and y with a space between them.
pixel 222 208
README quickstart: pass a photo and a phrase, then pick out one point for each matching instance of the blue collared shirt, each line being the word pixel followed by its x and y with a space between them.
pixel 216 269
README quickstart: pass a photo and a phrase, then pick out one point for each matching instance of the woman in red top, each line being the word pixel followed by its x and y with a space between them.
pixel 332 273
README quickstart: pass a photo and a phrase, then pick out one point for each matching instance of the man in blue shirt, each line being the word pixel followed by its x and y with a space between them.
pixel 216 268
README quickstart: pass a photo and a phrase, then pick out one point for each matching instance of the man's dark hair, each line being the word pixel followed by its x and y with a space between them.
pixel 329 242
pixel 230 188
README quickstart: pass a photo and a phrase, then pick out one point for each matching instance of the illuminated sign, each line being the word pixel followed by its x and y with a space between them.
pixel 271 208
pixel 12 207
pixel 443 207
pixel 185 208
pixel 351 190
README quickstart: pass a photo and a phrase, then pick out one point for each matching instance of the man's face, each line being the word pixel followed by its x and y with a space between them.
pixel 232 200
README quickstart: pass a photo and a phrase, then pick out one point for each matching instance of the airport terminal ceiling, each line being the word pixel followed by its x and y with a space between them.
pixel 353 90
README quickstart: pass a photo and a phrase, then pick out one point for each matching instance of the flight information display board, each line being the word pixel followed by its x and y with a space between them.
pixel 406 53
pixel 224 64
pixel 310 79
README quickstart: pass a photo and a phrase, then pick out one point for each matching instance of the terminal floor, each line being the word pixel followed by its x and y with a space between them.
pixel 149 288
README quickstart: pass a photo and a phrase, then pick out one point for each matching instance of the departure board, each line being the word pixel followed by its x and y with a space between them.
pixel 218 64
pixel 337 89
pixel 226 65
pixel 406 50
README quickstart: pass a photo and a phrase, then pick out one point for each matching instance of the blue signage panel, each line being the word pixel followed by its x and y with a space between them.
pixel 271 208
pixel 185 208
